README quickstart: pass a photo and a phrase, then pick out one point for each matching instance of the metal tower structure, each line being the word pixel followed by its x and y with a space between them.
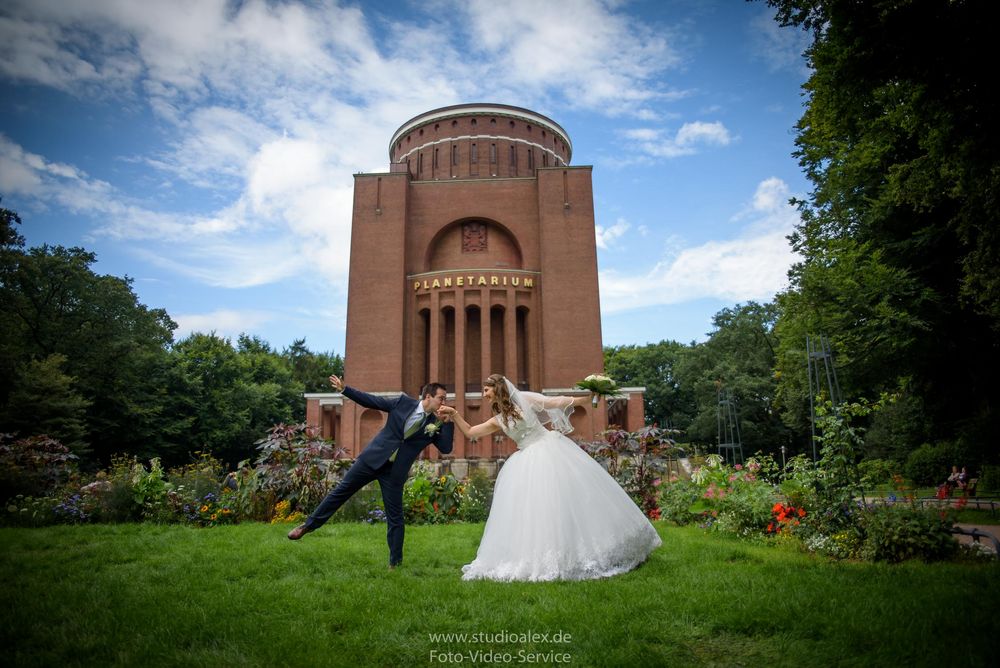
pixel 822 375
pixel 730 441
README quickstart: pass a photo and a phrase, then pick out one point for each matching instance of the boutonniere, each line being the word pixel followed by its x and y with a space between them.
pixel 432 428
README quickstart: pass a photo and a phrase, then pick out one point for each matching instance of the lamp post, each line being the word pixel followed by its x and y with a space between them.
pixel 782 457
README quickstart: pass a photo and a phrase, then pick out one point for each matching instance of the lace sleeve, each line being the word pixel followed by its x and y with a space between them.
pixel 553 411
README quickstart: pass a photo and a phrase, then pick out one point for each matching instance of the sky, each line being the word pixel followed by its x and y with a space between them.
pixel 206 149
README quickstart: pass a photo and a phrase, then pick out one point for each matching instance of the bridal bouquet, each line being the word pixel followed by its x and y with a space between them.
pixel 600 385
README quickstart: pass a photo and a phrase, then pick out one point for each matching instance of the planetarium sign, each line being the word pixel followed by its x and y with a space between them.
pixel 473 279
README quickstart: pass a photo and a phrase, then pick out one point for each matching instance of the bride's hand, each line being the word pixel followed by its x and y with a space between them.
pixel 446 413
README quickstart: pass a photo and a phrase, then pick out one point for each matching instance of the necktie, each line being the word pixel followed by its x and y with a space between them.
pixel 418 422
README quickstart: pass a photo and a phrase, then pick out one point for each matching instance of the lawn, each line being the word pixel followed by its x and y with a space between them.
pixel 246 596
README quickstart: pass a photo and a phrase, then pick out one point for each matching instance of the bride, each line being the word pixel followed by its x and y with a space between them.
pixel 556 513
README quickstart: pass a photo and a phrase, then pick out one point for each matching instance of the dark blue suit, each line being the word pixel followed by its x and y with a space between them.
pixel 373 464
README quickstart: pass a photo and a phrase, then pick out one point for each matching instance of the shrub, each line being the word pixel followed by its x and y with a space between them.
pixel 930 464
pixel 33 466
pixel 676 500
pixel 29 511
pixel 476 496
pixel 637 460
pixel 113 498
pixel 746 510
pixel 897 532
pixel 200 477
pixel 431 499
pixel 297 466
pixel 212 510
pixel 845 544
pixel 251 501
pixel 989 478
pixel 877 472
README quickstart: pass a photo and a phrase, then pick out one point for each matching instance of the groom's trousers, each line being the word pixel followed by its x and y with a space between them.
pixel 359 475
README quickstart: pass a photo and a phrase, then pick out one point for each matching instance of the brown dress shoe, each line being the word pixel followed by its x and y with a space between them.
pixel 298 532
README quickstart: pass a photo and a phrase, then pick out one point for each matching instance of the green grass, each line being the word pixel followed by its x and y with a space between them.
pixel 246 596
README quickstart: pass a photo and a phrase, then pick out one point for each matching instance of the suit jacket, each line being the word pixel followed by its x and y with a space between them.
pixel 390 438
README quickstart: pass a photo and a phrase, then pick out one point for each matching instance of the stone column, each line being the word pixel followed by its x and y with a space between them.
pixel 459 353
pixel 434 363
pixel 510 338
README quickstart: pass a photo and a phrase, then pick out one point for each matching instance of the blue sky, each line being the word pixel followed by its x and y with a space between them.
pixel 206 148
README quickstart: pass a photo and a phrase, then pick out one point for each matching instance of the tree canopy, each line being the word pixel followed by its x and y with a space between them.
pixel 84 361
pixel 899 238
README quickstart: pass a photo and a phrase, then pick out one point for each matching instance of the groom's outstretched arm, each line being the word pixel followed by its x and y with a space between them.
pixel 363 398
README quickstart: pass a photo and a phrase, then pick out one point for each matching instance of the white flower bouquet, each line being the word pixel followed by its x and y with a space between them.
pixel 600 385
pixel 432 428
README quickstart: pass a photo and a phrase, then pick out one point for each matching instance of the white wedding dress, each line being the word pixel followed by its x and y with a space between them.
pixel 556 513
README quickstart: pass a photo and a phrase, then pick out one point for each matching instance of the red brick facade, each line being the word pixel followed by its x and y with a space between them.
pixel 474 254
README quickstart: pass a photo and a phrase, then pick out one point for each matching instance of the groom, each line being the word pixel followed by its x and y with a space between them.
pixel 412 425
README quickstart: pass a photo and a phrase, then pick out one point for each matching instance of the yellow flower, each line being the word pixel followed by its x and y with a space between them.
pixel 204 509
pixel 214 516
pixel 443 479
pixel 226 511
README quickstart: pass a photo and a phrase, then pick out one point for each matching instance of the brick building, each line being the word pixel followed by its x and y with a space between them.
pixel 474 254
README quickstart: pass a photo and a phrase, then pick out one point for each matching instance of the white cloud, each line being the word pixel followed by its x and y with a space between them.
pixel 689 138
pixel 272 107
pixel 224 322
pixel 607 236
pixel 595 57
pixel 751 266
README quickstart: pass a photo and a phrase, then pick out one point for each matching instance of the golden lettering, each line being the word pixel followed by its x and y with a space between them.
pixel 470 280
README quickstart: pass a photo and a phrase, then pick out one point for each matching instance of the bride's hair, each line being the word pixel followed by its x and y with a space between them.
pixel 502 404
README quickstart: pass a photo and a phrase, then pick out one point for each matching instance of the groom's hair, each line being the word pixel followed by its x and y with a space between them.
pixel 431 389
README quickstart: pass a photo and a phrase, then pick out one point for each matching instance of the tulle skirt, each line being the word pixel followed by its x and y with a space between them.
pixel 558 515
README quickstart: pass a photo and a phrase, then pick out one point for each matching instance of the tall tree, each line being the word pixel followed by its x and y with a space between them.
pixel 654 366
pixel 44 402
pixel 233 394
pixel 739 357
pixel 52 302
pixel 312 369
pixel 900 246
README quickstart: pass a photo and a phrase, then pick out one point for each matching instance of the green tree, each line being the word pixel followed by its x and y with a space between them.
pixel 739 356
pixel 233 395
pixel 44 402
pixel 311 369
pixel 653 366
pixel 900 247
pixel 9 236
pixel 52 302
